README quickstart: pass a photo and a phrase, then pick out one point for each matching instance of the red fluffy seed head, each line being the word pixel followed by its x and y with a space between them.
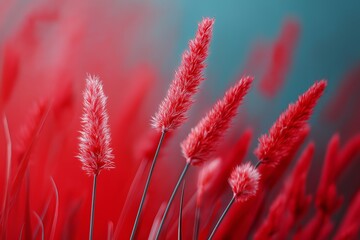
pixel 203 138
pixel 172 110
pixel 275 145
pixel 244 182
pixel 95 152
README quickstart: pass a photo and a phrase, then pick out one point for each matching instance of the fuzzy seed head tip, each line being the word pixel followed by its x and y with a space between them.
pixel 244 182
pixel 179 98
pixel 203 138
pixel 95 153
pixel 285 132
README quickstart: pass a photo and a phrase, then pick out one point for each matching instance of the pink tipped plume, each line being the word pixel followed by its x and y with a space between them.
pixel 276 145
pixel 244 182
pixel 172 110
pixel 95 152
pixel 204 137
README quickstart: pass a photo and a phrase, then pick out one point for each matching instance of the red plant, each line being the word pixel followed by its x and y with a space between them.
pixel 291 204
pixel 276 145
pixel 203 138
pixel 95 152
pixel 171 113
pixel 244 182
pixel 349 228
pixel 46 48
pixel 281 54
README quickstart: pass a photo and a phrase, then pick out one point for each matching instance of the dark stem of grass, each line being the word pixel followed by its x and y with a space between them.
pixel 41 225
pixel 147 184
pixel 171 199
pixel 257 164
pixel 180 213
pixel 221 218
pixel 197 222
pixel 93 198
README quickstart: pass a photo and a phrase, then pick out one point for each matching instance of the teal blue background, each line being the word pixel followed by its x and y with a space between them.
pixel 327 48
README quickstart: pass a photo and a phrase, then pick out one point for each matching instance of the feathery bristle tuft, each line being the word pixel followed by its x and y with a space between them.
pixel 172 110
pixel 95 152
pixel 275 145
pixel 244 181
pixel 203 138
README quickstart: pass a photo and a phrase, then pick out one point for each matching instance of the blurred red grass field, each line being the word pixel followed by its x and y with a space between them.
pixel 46 51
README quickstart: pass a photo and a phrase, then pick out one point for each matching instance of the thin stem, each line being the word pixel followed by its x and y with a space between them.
pixel 186 209
pixel 93 198
pixel 180 212
pixel 56 213
pixel 258 164
pixel 41 225
pixel 147 184
pixel 221 218
pixel 171 199
pixel 110 233
pixel 197 222
pixel 5 210
pixel 8 161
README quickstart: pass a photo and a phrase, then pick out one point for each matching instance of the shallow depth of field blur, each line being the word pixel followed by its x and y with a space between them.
pixel 48 47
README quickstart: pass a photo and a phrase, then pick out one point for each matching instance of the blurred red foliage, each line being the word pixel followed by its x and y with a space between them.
pixel 46 50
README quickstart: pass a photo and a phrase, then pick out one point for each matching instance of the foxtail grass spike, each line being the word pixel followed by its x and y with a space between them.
pixel 172 111
pixel 244 182
pixel 95 152
pixel 284 133
pixel 204 137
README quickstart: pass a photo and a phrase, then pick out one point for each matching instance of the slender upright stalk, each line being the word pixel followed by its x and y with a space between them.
pixel 197 222
pixel 8 161
pixel 93 198
pixel 147 184
pixel 4 208
pixel 41 225
pixel 172 198
pixel 257 164
pixel 180 213
pixel 221 218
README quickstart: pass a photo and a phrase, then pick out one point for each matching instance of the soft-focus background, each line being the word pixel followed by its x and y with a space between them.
pixel 48 47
